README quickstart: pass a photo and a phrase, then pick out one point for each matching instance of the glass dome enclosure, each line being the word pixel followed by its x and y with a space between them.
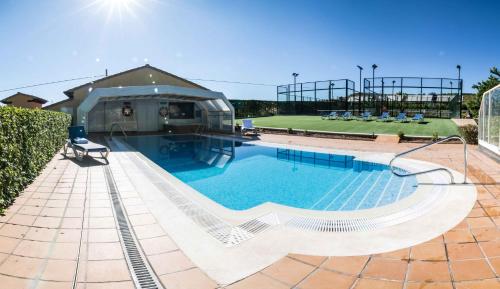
pixel 489 122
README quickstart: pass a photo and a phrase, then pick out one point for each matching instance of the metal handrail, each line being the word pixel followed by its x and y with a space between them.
pixel 121 128
pixel 437 169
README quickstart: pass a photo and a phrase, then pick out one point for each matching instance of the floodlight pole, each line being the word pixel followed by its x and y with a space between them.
pixel 359 95
pixel 459 67
pixel 295 74
pixel 374 66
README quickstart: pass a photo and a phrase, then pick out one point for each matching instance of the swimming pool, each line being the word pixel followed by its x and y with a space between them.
pixel 241 176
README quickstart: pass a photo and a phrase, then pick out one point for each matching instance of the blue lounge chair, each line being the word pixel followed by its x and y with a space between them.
pixel 419 117
pixel 401 117
pixel 331 115
pixel 247 126
pixel 384 116
pixel 347 115
pixel 366 116
pixel 79 144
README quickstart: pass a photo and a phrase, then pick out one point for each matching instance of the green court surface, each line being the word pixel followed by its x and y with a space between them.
pixel 444 127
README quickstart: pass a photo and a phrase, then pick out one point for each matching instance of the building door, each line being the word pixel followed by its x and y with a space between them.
pixel 147 115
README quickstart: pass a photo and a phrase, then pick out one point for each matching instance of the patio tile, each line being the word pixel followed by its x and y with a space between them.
pixel 59 270
pixel 170 262
pixel 69 235
pixel 257 280
pixel 47 222
pixel 142 219
pixel 480 222
pixel 56 203
pixel 377 284
pixel 66 251
pixel 426 285
pixel 73 213
pixel 18 266
pixel 9 282
pixel 426 271
pixel 54 285
pixel 26 220
pixel 158 245
pixel 402 254
pixel 36 202
pixel 105 251
pixel 477 212
pixel 349 265
pixel 148 231
pixel 103 235
pixel 481 284
pixel 429 252
pixel 386 268
pixel 471 270
pixel 102 223
pixel 105 271
pixel 52 212
pixel 190 279
pixel 464 251
pixel 495 263
pixel 7 244
pixel 486 234
pixel 458 236
pixel 491 249
pixel 30 210
pixel 71 223
pixel 288 270
pixel 41 234
pixel 101 212
pixel 107 285
pixel 32 249
pixel 311 260
pixel 323 279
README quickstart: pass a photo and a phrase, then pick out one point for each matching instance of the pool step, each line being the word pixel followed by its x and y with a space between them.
pixel 372 187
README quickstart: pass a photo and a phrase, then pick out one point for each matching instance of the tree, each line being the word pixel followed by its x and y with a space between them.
pixel 474 103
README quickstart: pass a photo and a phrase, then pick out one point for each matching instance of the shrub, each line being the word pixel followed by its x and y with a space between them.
pixel 435 136
pixel 401 134
pixel 29 138
pixel 306 132
pixel 290 130
pixel 469 133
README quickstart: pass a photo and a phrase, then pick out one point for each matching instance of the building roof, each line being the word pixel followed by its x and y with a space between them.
pixel 69 92
pixel 36 99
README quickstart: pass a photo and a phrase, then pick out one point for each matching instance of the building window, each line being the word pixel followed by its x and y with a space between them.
pixel 181 110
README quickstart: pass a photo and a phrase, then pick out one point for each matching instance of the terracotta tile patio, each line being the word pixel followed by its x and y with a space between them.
pixel 62 228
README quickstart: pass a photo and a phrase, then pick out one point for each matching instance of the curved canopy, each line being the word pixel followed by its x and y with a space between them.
pixel 210 101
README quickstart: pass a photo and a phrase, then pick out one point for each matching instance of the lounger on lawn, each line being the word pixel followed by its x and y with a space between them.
pixel 384 116
pixel 366 115
pixel 247 126
pixel 331 115
pixel 347 115
pixel 81 146
pixel 401 117
pixel 418 117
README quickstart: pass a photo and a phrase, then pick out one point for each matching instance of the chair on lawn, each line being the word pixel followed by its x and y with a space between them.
pixel 419 117
pixel 366 116
pixel 384 116
pixel 331 115
pixel 81 146
pixel 347 115
pixel 401 117
pixel 248 126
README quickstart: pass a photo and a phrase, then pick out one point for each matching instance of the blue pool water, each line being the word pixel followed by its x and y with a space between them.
pixel 241 176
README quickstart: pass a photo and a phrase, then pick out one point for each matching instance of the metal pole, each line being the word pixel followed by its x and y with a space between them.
pixel 346 95
pixel 359 93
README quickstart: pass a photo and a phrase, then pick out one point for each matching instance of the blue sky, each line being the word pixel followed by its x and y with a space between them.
pixel 247 41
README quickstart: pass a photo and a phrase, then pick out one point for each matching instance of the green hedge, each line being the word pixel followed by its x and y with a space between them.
pixel 29 138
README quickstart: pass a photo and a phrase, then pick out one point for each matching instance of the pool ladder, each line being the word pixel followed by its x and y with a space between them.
pixel 436 169
pixel 119 126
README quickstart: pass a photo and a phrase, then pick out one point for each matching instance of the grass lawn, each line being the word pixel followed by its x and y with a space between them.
pixel 444 127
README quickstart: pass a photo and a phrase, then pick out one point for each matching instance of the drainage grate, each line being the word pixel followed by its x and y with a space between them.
pixel 141 272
